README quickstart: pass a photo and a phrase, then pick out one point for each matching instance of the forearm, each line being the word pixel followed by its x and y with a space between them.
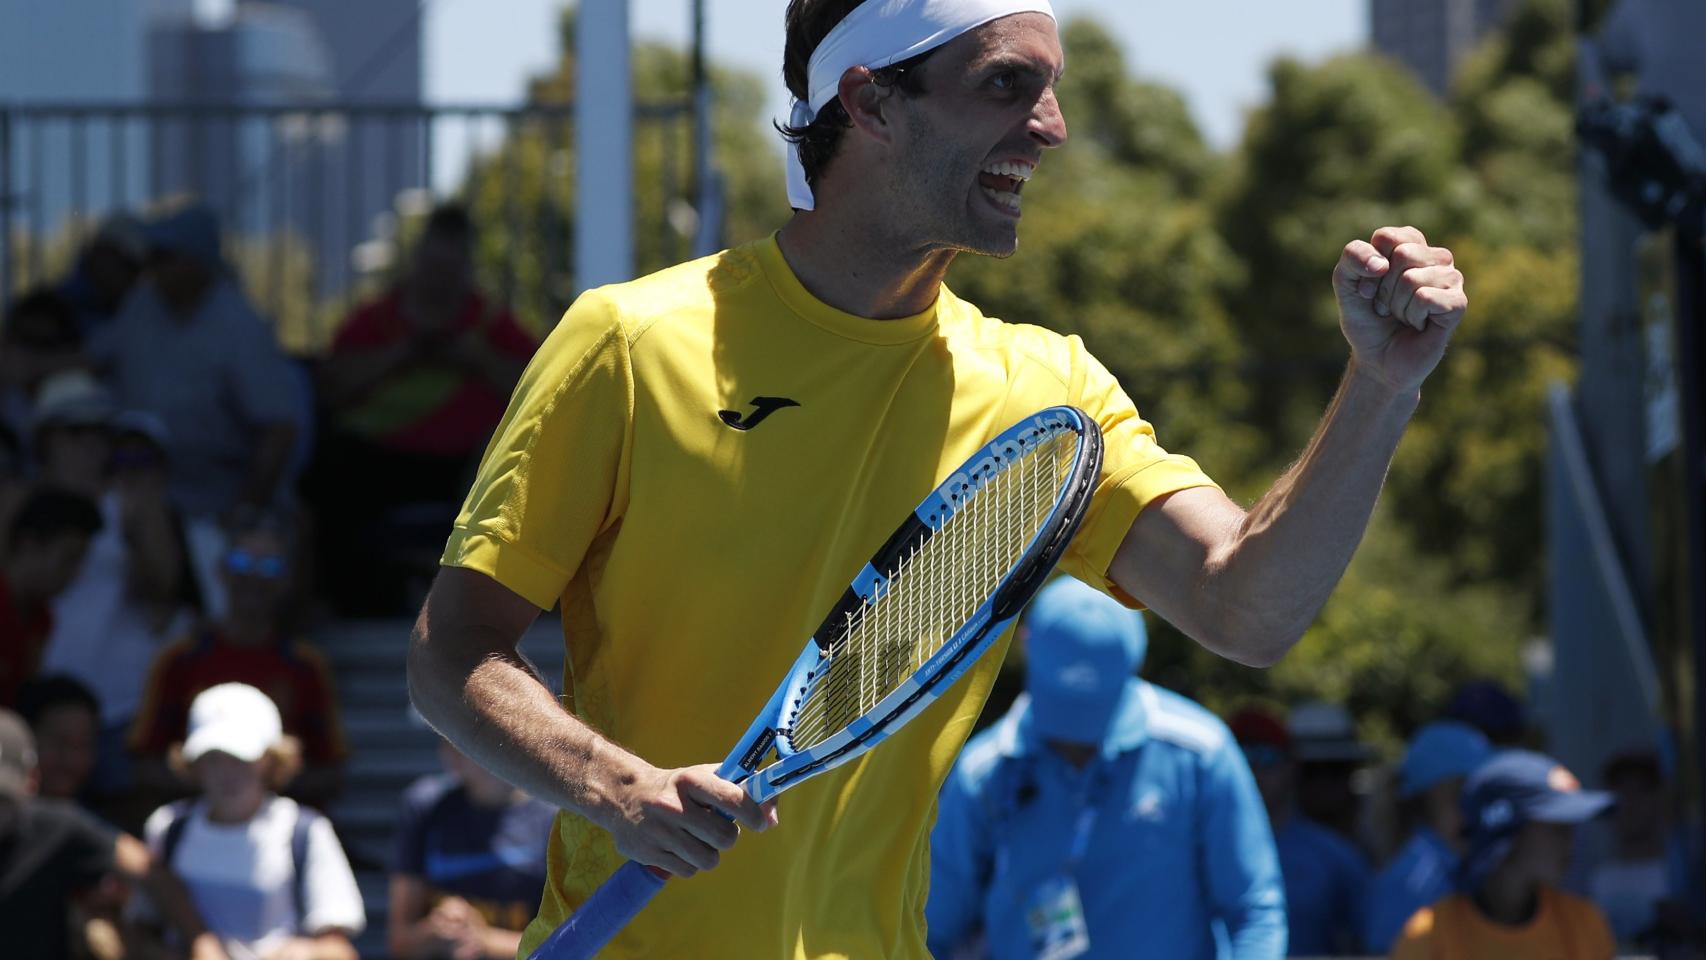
pixel 175 906
pixel 486 700
pixel 413 940
pixel 497 943
pixel 1293 546
pixel 324 946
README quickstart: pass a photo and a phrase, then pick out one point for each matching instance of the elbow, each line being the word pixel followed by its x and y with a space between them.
pixel 1248 638
pixel 419 673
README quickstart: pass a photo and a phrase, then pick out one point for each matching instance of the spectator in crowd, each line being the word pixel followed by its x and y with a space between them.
pixel 1430 787
pixel 15 482
pixel 64 719
pixel 52 854
pixel 267 874
pixel 107 268
pixel 1328 756
pixel 1326 877
pixel 470 864
pixel 1520 811
pixel 246 645
pixel 49 536
pixel 1102 811
pixel 1642 886
pixel 131 594
pixel 1490 708
pixel 39 340
pixel 188 348
pixel 413 385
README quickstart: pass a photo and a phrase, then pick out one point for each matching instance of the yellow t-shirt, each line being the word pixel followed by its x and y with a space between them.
pixel 693 560
pixel 1564 927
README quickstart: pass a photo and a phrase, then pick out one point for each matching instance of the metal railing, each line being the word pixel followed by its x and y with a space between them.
pixel 314 198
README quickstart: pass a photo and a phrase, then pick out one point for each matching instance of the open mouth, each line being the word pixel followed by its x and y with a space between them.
pixel 1002 181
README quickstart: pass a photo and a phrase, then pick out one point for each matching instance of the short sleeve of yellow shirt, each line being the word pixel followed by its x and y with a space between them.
pixel 695 465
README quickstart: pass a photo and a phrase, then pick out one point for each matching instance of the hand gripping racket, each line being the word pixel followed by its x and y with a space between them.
pixel 925 607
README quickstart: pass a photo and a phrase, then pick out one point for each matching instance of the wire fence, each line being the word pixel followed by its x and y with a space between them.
pixel 315 199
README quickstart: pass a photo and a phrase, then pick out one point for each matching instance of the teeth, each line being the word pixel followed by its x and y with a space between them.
pixel 1002 197
pixel 1016 169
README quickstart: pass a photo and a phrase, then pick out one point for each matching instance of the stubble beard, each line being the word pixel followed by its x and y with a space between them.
pixel 940 206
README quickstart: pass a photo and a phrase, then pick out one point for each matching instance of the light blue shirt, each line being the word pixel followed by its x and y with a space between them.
pixel 216 380
pixel 1418 876
pixel 1179 864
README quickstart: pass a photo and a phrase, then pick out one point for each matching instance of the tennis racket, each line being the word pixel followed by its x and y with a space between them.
pixel 926 606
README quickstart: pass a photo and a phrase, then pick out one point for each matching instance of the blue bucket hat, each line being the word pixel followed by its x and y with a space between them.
pixel 1442 750
pixel 1512 788
pixel 1081 650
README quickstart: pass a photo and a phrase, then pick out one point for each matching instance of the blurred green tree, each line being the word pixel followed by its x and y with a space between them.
pixel 523 191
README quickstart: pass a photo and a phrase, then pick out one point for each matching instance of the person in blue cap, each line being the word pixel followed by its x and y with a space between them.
pixel 1102 816
pixel 189 348
pixel 1325 875
pixel 1430 787
pixel 1520 812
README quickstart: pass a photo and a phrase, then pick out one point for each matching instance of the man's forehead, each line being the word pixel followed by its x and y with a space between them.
pixel 1029 38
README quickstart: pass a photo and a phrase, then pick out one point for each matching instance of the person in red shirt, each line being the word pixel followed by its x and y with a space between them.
pixel 245 646
pixel 412 387
pixel 48 539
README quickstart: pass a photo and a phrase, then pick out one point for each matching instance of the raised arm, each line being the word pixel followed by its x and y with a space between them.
pixel 468 680
pixel 1246 584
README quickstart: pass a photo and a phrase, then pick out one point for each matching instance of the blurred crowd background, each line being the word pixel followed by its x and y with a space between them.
pixel 252 349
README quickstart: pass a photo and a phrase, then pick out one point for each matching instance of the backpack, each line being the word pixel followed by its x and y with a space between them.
pixel 305 819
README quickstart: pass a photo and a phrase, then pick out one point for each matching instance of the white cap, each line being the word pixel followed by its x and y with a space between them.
pixel 232 718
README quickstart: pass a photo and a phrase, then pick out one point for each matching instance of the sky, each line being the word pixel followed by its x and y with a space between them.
pixel 1215 52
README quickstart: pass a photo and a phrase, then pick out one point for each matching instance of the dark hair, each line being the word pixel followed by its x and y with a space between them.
pixel 450 221
pixel 49 513
pixel 54 690
pixel 808 22
pixel 59 333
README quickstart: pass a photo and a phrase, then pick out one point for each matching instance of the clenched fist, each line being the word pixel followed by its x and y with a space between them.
pixel 1399 302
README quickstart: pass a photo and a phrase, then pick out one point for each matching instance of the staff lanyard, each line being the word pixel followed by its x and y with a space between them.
pixel 1088 797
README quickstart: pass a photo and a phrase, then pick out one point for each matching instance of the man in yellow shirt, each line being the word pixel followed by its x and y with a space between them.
pixel 696 463
pixel 1521 810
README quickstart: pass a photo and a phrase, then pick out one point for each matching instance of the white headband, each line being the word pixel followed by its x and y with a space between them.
pixel 881 33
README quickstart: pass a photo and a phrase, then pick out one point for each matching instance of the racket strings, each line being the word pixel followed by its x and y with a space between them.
pixel 936 588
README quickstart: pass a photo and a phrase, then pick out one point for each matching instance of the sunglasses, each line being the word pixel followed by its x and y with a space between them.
pixel 246 564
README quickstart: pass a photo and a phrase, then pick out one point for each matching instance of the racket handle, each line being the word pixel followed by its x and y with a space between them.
pixel 603 915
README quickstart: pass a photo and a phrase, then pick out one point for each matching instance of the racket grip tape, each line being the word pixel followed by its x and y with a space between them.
pixel 603 915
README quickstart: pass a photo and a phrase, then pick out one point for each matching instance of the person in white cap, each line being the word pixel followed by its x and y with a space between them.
pixel 695 462
pixel 268 875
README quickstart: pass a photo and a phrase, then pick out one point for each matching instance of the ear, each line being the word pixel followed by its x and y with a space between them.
pixel 862 97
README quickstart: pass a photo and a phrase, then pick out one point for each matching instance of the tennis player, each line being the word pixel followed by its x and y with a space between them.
pixel 696 462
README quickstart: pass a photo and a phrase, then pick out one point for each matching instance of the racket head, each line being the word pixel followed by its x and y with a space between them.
pixel 929 602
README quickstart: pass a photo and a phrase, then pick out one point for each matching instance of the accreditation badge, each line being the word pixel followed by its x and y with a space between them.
pixel 1055 916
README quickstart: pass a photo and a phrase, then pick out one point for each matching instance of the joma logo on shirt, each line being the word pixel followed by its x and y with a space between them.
pixel 763 407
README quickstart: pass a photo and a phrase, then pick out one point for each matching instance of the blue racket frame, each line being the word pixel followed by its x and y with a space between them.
pixel 621 897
